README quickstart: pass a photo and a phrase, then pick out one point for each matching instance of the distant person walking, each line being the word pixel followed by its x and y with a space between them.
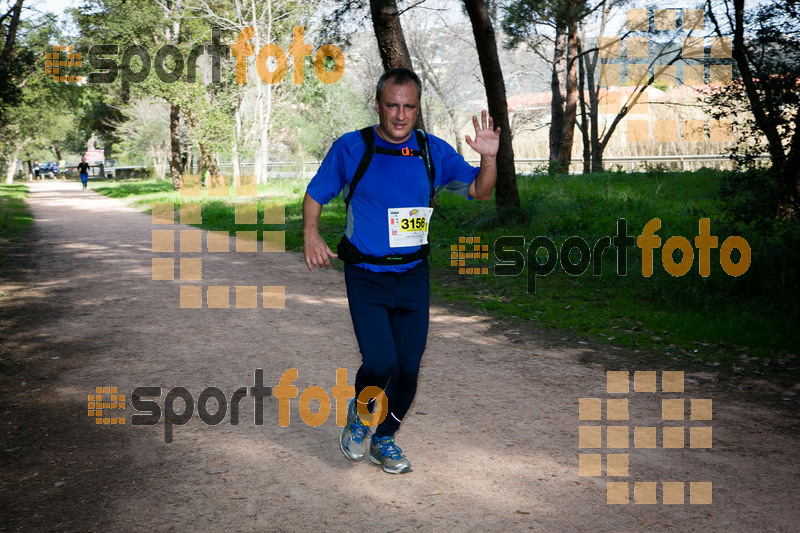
pixel 56 171
pixel 83 170
pixel 36 170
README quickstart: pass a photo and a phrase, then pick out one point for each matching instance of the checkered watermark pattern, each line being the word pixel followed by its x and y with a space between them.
pixel 191 242
pixel 103 400
pixel 62 60
pixel 617 432
pixel 625 61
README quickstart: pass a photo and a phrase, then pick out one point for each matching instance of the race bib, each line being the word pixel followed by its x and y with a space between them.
pixel 408 226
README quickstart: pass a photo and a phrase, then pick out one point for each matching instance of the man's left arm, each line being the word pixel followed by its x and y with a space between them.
pixel 486 143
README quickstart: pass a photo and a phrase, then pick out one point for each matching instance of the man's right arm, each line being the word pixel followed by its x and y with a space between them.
pixel 316 252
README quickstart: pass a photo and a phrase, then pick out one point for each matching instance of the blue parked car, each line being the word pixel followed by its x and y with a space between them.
pixel 46 170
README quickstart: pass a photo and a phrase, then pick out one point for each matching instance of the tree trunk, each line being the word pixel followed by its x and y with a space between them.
pixel 175 147
pixel 456 130
pixel 597 157
pixel 8 85
pixel 12 168
pixel 587 146
pixel 594 117
pixel 391 40
pixel 237 133
pixel 11 35
pixel 265 133
pixel 14 159
pixel 760 115
pixel 507 196
pixel 571 104
pixel 172 35
pixel 558 97
pixel 784 165
pixel 263 102
pixel 594 89
pixel 208 161
pixel 793 162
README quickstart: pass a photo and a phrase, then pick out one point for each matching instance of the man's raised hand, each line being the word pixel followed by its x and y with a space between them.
pixel 487 137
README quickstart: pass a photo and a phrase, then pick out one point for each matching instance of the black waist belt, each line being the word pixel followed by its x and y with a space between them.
pixel 351 255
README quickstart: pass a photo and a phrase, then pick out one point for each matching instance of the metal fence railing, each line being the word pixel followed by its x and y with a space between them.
pixel 307 169
pixel 682 162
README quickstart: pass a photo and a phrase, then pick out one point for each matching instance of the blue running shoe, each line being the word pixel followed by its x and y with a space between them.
pixel 387 454
pixel 353 438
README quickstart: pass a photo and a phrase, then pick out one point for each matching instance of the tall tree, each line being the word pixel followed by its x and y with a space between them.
pixel 391 40
pixel 553 23
pixel 564 154
pixel 256 106
pixel 12 64
pixel 389 34
pixel 171 10
pixel 766 51
pixel 43 111
pixel 562 24
pixel 660 58
pixel 122 23
pixel 557 95
pixel 507 196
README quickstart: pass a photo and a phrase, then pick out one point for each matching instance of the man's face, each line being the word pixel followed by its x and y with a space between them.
pixel 397 111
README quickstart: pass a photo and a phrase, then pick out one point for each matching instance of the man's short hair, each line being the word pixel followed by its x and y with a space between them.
pixel 399 76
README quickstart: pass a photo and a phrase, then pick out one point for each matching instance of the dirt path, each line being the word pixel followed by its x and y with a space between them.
pixel 492 436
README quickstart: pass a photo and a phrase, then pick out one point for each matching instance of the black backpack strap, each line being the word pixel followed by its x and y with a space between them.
pixel 346 251
pixel 369 149
pixel 424 147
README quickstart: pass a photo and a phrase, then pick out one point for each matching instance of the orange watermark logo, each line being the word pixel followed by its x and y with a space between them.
pixel 195 245
pixel 299 50
pixel 134 64
pixel 467 249
pixel 103 400
pixel 62 56
pixel 640 56
pixel 180 405
pixel 513 254
pixel 617 431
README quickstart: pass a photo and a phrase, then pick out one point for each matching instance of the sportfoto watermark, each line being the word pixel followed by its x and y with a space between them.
pixel 102 57
pixel 148 412
pixel 512 261
pixel 604 437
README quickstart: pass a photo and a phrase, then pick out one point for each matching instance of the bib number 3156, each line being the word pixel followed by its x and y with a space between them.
pixel 408 226
pixel 413 224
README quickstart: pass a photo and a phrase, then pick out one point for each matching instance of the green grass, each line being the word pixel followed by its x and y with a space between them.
pixel 15 220
pixel 217 211
pixel 681 319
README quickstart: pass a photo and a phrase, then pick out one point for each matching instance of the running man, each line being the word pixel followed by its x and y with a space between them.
pixel 398 172
pixel 83 170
